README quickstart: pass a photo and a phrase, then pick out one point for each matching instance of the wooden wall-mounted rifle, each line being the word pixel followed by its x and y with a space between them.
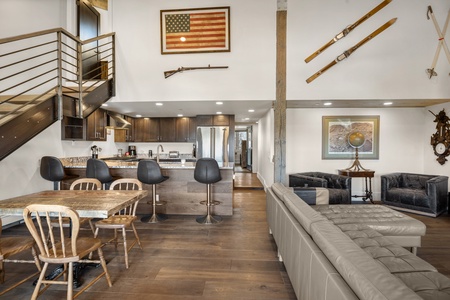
pixel 441 43
pixel 348 52
pixel 181 69
pixel 348 29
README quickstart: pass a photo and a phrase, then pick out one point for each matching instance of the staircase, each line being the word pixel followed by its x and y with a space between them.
pixel 49 74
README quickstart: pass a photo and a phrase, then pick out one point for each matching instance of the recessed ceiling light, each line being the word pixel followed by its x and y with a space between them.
pixel 327 103
pixel 138 116
pixel 159 104
pixel 104 104
pixel 246 119
pixel 251 110
pixel 387 103
pixel 180 115
pixel 218 113
pixel 219 103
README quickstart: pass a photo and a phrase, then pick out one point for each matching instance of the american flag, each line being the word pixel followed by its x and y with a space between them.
pixel 196 31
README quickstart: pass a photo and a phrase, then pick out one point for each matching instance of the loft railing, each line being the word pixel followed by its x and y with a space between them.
pixel 51 62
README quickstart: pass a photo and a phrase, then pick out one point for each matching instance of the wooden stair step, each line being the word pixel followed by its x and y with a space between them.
pixel 6 108
pixel 22 99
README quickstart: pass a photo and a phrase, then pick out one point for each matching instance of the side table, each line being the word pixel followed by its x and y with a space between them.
pixel 367 175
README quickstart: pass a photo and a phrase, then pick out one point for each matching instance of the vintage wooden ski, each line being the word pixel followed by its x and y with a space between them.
pixel 348 52
pixel 348 29
pixel 441 43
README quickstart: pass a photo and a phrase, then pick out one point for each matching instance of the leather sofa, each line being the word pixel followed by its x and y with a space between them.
pixel 327 258
pixel 339 186
pixel 416 193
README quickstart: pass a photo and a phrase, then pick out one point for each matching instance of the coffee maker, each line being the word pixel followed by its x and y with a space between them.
pixel 132 150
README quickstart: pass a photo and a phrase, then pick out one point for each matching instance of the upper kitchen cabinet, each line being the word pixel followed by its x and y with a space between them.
pixel 130 131
pixel 185 130
pixel 96 126
pixel 167 129
pixel 146 130
pixel 213 120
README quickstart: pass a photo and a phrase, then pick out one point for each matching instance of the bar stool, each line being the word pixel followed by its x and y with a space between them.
pixel 52 170
pixel 98 169
pixel 149 172
pixel 207 171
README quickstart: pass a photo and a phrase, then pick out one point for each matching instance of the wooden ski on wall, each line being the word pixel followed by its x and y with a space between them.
pixel 348 52
pixel 441 43
pixel 348 29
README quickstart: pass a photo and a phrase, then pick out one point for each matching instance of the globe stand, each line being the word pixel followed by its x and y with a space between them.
pixel 356 166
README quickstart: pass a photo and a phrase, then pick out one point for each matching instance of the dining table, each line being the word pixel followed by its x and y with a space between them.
pixel 88 204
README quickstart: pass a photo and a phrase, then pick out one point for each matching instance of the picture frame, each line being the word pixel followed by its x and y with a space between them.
pixel 195 30
pixel 335 132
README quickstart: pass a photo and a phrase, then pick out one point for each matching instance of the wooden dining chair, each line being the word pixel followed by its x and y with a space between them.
pixel 61 249
pixel 11 245
pixel 124 219
pixel 90 184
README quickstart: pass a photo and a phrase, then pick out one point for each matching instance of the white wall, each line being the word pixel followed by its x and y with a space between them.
pixel 266 149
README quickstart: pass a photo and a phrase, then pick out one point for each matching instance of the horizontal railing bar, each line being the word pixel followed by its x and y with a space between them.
pixel 29 69
pixel 97 38
pixel 68 54
pixel 32 88
pixel 39 33
pixel 70 47
pixel 29 48
pixel 33 78
pixel 27 59
pixel 69 63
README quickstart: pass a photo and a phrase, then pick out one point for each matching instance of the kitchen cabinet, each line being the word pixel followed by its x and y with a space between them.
pixel 120 135
pixel 72 128
pixel 185 129
pixel 192 133
pixel 213 120
pixel 96 126
pixel 146 130
pixel 167 129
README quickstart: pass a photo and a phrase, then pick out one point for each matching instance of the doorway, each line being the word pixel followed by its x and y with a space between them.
pixel 88 27
pixel 243 149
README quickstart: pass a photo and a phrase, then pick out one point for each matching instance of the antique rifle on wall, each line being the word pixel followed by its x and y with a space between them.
pixel 181 69
pixel 348 29
pixel 348 52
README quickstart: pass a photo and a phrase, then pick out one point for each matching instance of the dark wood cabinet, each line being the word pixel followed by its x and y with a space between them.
pixel 72 128
pixel 153 130
pixel 221 120
pixel 204 120
pixel 182 129
pixel 141 129
pixel 120 135
pixel 167 129
pixel 96 126
pixel 192 133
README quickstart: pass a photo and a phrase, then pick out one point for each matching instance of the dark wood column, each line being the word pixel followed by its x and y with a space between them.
pixel 280 103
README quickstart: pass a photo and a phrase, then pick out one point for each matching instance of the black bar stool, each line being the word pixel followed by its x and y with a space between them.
pixel 149 172
pixel 52 170
pixel 207 171
pixel 98 169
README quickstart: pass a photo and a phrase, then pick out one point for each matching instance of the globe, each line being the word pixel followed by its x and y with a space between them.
pixel 356 139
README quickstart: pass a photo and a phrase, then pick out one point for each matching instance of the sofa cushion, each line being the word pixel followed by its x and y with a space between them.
pixel 428 285
pixel 304 214
pixel 394 257
pixel 365 276
pixel 386 221
pixel 414 181
pixel 409 196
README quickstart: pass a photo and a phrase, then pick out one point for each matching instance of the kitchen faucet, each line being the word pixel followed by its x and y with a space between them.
pixel 157 152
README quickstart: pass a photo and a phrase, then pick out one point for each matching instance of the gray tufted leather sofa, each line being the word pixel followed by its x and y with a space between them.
pixel 335 257
pixel 417 193
pixel 339 186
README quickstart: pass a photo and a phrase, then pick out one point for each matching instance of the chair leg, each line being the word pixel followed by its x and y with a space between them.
pixel 125 247
pixel 37 262
pixel 136 236
pixel 70 282
pixel 103 263
pixel 208 219
pixel 2 271
pixel 39 282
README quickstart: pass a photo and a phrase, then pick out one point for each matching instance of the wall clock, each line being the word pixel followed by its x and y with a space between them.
pixel 440 140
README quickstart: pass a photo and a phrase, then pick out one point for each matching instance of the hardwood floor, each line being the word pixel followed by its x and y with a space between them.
pixel 181 259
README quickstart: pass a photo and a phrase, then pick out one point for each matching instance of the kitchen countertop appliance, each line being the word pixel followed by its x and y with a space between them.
pixel 132 150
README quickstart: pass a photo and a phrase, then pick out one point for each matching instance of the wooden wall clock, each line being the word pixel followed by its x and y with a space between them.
pixel 440 140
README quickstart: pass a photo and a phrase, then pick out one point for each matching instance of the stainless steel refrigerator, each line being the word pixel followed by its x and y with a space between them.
pixel 212 141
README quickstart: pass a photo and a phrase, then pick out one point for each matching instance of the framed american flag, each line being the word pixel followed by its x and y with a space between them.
pixel 195 30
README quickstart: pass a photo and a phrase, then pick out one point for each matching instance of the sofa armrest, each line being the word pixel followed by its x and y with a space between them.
pixel 297 180
pixel 437 192
pixel 389 181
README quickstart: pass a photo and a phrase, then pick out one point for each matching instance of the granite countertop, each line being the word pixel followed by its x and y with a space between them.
pixel 80 163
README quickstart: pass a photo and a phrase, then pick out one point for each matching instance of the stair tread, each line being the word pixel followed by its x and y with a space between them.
pixel 6 108
pixel 25 98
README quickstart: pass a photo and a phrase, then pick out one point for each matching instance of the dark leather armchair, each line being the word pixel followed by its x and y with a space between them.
pixel 339 186
pixel 417 193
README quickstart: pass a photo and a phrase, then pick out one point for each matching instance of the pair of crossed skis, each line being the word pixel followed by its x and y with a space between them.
pixel 441 43
pixel 344 33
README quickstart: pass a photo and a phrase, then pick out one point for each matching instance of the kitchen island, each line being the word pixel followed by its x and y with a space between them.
pixel 181 192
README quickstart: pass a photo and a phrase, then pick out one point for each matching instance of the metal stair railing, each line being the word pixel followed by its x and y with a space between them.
pixel 38 65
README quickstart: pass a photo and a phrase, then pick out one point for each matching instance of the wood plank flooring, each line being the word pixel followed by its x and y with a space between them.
pixel 181 259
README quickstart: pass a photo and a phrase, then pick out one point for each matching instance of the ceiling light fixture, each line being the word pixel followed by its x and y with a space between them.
pixel 159 104
pixel 104 104
pixel 180 115
pixel 219 103
pixel 251 110
pixel 218 113
pixel 138 116
pixel 387 103
pixel 327 103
